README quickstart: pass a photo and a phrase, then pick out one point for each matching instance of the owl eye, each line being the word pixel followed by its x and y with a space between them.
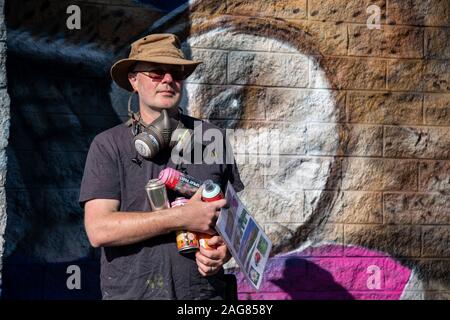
pixel 221 105
pixel 226 105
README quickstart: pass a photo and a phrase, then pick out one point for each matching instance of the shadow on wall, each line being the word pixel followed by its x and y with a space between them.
pixel 61 98
pixel 330 272
pixel 58 104
pixel 56 110
pixel 27 279
pixel 320 284
pixel 319 279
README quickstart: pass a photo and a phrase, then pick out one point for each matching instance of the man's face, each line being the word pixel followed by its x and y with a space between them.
pixel 158 86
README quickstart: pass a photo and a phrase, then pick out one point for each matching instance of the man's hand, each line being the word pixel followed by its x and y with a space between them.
pixel 210 261
pixel 200 216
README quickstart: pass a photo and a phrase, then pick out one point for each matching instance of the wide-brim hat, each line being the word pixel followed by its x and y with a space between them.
pixel 158 48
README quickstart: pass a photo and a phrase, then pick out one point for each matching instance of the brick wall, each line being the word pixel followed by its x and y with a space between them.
pixel 4 131
pixel 363 115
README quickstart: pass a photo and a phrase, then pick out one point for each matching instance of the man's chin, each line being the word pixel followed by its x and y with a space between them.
pixel 166 106
pixel 167 103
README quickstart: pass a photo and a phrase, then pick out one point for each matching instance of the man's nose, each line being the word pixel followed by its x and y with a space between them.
pixel 167 78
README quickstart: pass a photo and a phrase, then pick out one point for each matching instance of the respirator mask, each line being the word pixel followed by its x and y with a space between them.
pixel 164 132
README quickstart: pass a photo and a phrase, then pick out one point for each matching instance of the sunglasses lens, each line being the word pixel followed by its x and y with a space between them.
pixel 159 74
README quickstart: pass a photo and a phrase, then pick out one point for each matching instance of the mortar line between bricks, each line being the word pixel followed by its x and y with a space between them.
pixel 397 191
pixel 349 156
pixel 421 241
pixel 300 53
pixel 380 91
pixel 348 40
pixel 349 124
pixel 330 157
pixel 424 258
pixel 347 107
pixel 386 11
pixel 419 193
pixel 110 5
pixel 384 58
pixel 231 50
pixel 357 223
pixel 424 43
pixel 424 121
pixel 391 25
pixel 335 22
pixel 386 75
pixel 308 7
pixel 346 191
pixel 344 241
pixel 418 176
pixel 310 72
pixel 402 125
pixel 394 224
pixel 265 120
pixel 227 76
pixel 381 24
pixel 319 88
pixel 301 156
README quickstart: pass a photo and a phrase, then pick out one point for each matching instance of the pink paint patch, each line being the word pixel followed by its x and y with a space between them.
pixel 329 272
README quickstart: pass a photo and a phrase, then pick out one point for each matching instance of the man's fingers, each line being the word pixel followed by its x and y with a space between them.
pixel 210 232
pixel 219 203
pixel 205 266
pixel 215 241
pixel 211 254
pixel 207 271
pixel 201 272
pixel 198 195
pixel 216 217
pixel 205 261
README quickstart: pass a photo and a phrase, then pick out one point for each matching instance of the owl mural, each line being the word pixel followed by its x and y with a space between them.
pixel 313 98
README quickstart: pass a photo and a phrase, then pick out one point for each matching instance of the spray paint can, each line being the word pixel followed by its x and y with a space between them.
pixel 157 195
pixel 180 182
pixel 186 241
pixel 211 192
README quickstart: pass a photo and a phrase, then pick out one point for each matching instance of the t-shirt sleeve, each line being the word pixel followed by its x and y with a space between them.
pixel 234 177
pixel 101 173
pixel 231 170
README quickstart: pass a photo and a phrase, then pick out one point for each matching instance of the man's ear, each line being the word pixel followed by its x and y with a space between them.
pixel 132 78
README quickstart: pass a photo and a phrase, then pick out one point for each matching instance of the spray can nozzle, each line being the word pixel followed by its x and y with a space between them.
pixel 208 185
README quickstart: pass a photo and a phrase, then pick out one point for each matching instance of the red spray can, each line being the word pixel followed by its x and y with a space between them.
pixel 180 182
pixel 211 192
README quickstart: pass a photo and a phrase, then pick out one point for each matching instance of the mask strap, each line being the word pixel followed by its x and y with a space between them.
pixel 134 117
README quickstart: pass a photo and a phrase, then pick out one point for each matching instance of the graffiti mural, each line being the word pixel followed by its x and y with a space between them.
pixel 341 122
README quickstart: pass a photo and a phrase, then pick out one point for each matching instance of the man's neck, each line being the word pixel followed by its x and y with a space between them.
pixel 148 115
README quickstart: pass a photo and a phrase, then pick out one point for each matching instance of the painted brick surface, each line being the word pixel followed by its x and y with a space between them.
pixel 4 135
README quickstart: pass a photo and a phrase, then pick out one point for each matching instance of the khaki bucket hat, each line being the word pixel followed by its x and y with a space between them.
pixel 158 48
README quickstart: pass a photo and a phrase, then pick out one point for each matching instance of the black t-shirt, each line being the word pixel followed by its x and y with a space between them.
pixel 151 269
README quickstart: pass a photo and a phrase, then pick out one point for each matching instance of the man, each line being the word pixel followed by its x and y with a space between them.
pixel 140 259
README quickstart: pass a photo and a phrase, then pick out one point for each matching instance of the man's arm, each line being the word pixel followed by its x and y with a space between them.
pixel 106 226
